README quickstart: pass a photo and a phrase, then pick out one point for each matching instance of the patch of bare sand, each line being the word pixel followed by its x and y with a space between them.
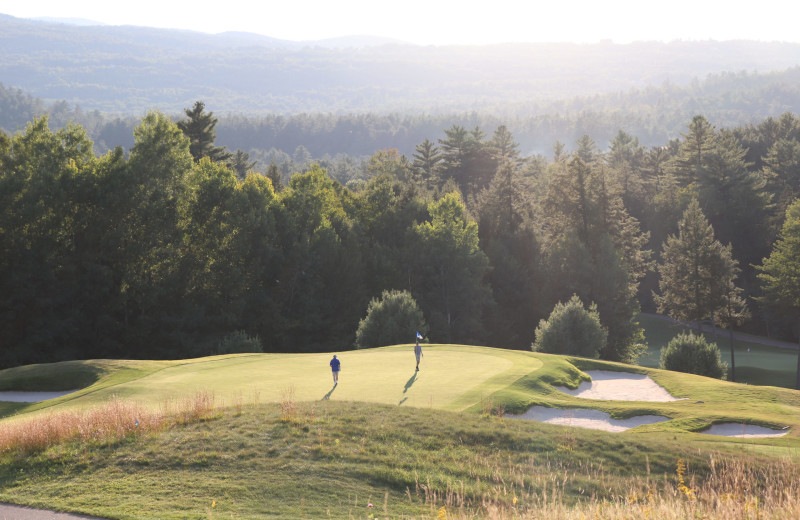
pixel 585 418
pixel 743 430
pixel 625 386
pixel 619 386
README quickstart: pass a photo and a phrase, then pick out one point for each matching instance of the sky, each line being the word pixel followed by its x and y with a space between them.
pixel 446 22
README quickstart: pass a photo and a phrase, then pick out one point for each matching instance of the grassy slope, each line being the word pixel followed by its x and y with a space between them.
pixel 331 459
pixel 334 455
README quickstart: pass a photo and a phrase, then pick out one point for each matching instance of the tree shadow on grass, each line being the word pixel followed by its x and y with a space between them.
pixel 328 395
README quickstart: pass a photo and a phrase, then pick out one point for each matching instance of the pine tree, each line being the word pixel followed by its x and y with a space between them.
pixel 696 270
pixel 427 164
pixel 780 273
pixel 199 128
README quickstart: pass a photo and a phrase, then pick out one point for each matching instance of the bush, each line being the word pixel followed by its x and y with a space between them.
pixel 571 329
pixel 693 355
pixel 239 342
pixel 395 318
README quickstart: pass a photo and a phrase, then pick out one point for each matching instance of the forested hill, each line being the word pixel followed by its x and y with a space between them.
pixel 128 70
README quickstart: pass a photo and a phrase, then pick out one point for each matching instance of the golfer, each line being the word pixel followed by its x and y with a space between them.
pixel 335 367
pixel 418 351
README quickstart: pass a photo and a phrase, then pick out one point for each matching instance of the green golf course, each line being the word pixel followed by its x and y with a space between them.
pixel 282 441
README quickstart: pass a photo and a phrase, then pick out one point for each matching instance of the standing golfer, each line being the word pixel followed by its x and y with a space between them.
pixel 335 367
pixel 418 350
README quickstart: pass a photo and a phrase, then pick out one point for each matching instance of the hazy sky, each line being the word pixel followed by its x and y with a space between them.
pixel 442 22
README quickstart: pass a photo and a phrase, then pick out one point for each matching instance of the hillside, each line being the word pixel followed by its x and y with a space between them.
pixel 283 450
pixel 133 69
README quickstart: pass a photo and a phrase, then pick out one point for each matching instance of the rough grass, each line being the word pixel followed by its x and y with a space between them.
pixel 110 422
pixel 267 437
pixel 332 459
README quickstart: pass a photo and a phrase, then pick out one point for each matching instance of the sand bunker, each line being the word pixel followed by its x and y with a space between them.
pixel 619 386
pixel 625 386
pixel 743 430
pixel 30 397
pixel 584 418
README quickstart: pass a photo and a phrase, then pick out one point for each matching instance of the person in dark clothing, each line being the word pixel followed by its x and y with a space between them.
pixel 335 367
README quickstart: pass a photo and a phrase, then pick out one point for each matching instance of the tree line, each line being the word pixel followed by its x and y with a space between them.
pixel 654 114
pixel 169 251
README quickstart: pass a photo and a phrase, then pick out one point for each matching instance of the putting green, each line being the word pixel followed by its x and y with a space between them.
pixel 453 377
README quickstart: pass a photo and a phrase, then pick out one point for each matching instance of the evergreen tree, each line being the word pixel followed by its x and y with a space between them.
pixel 734 199
pixel 241 164
pixel 427 164
pixel 696 270
pixel 780 274
pixel 502 148
pixel 507 236
pixel 199 127
pixel 782 173
pixel 465 158
pixel 594 249
pixel 693 154
pixel 274 174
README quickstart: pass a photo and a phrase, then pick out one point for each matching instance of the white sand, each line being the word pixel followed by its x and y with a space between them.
pixel 30 397
pixel 625 386
pixel 743 430
pixel 619 386
pixel 584 418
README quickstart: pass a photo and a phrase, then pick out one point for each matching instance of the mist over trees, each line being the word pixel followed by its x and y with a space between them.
pixel 160 254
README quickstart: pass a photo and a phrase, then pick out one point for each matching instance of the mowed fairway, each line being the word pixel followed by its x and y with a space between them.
pixel 453 377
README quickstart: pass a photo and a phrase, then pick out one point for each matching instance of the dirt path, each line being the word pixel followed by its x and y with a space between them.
pixel 12 512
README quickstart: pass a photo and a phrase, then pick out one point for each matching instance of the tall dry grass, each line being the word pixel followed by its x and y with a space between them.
pixel 109 422
pixel 734 490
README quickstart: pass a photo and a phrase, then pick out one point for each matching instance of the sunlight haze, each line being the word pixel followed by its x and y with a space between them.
pixel 444 22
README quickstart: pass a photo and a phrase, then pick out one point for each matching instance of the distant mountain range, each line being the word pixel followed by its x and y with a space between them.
pixel 128 70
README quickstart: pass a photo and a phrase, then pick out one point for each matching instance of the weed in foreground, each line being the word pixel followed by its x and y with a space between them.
pixel 288 405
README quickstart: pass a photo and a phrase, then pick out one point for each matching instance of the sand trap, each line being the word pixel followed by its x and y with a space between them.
pixel 619 386
pixel 584 418
pixel 743 430
pixel 31 397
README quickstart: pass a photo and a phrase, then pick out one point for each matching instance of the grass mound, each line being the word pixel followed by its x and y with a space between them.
pixel 332 459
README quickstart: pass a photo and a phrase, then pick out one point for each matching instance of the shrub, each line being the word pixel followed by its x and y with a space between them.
pixel 239 342
pixel 571 329
pixel 693 355
pixel 392 319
